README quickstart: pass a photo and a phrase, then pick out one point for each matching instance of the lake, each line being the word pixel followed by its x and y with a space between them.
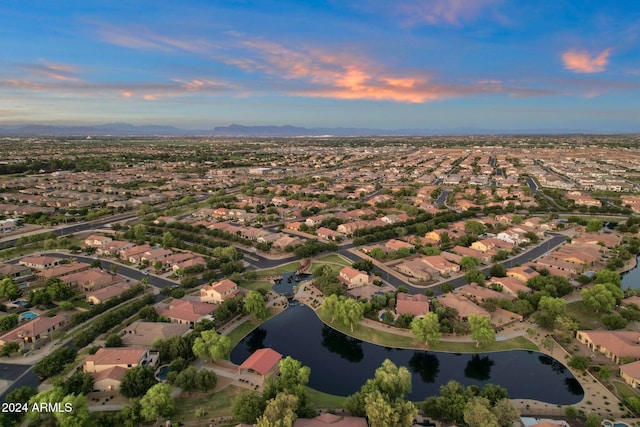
pixel 631 278
pixel 341 364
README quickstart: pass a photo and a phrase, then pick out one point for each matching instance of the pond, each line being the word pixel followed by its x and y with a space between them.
pixel 288 281
pixel 631 278
pixel 341 364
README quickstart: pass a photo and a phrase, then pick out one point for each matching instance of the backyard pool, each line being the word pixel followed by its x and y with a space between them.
pixel 19 303
pixel 162 372
pixel 28 315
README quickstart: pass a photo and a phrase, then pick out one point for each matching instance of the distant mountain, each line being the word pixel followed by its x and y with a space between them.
pixel 126 129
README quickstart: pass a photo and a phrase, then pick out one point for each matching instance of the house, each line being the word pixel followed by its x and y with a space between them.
pixel 353 278
pixel 17 273
pixel 114 247
pixel 464 251
pixel 141 333
pixel 630 373
pixel 40 262
pixel 417 270
pixel 482 294
pixel 285 241
pixel 63 270
pixel 415 305
pixel 522 273
pixel 463 306
pixel 395 245
pixel 440 264
pixel 108 365
pixel 95 241
pixel 615 345
pixel 218 291
pixel 510 285
pixel 124 357
pixel 328 234
pixel 134 253
pixel 33 330
pixel 190 262
pixel 264 361
pixel 90 280
pixel 102 295
pixel 185 311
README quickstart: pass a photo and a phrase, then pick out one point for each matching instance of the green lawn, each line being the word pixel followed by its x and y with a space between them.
pixel 322 400
pixel 587 318
pixel 623 390
pixel 216 404
pixel 254 285
pixel 240 332
pixel 286 268
pixel 335 269
pixel 333 258
pixel 392 340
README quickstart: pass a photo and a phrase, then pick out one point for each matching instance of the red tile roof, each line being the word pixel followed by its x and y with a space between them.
pixel 262 361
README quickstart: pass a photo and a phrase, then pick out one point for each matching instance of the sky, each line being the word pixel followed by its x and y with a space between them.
pixel 532 65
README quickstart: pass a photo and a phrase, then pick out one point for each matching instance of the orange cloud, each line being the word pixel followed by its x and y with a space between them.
pixel 583 62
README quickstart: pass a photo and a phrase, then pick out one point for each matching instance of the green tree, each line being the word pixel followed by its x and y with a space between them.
pixel 9 289
pixel 594 420
pixel 497 270
pixel 506 412
pixel 351 312
pixel 279 412
pixel 482 331
pixel 474 276
pixel 474 228
pixel 157 402
pixel 593 226
pixel 579 362
pixel 598 298
pixel 248 407
pixel 427 329
pixel 469 262
pixel 478 414
pixel 8 322
pixel 192 379
pixel 114 340
pixel 549 309
pixel 607 276
pixel 78 383
pixel 254 304
pixel 211 345
pixel 137 381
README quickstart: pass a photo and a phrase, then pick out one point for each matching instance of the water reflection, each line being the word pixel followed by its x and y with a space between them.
pixel 478 368
pixel 255 340
pixel 426 365
pixel 550 361
pixel 346 347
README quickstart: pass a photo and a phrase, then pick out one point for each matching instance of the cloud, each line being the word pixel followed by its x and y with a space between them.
pixel 142 38
pixel 51 70
pixel 452 12
pixel 583 62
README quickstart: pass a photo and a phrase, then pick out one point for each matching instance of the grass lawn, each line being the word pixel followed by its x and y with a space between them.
pixel 392 340
pixel 587 318
pixel 286 268
pixel 322 400
pixel 256 284
pixel 334 268
pixel 215 404
pixel 623 390
pixel 333 258
pixel 240 332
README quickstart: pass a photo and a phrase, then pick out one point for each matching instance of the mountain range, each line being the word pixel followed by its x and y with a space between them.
pixel 126 129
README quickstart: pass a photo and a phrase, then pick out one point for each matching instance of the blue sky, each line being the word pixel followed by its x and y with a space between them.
pixel 405 64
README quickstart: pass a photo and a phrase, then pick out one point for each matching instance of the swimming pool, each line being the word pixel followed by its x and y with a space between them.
pixel 28 315
pixel 162 372
pixel 19 303
pixel 608 423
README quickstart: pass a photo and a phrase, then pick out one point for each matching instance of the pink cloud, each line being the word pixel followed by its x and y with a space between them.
pixel 583 62
pixel 51 70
